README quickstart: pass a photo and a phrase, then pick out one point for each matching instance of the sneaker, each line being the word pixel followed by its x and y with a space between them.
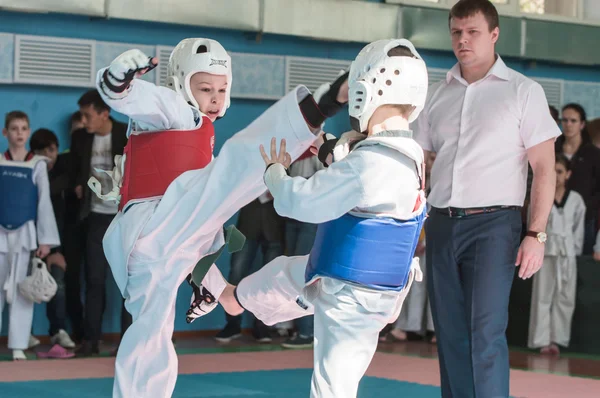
pixel 299 341
pixel 262 333
pixel 62 338
pixel 87 349
pixel 263 338
pixel 228 333
pixel 33 342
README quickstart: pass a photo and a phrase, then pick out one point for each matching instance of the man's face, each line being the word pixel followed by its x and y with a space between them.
pixel 92 120
pixel 472 41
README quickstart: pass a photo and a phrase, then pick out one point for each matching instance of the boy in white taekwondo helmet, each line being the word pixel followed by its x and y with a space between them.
pixel 174 196
pixel 370 205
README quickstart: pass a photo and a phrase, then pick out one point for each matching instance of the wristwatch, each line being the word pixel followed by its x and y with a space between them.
pixel 540 236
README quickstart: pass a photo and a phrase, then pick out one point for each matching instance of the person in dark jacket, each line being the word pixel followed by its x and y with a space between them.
pixel 576 145
pixel 94 147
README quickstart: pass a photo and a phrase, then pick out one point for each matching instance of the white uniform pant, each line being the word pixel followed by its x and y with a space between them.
pixel 553 302
pixel 416 312
pixel 184 227
pixel 347 318
pixel 14 267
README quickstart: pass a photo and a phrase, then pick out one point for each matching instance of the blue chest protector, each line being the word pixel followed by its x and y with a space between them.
pixel 373 252
pixel 18 193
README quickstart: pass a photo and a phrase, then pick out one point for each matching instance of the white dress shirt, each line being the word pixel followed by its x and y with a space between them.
pixel 481 133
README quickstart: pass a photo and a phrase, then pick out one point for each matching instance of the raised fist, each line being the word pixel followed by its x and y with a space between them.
pixel 117 77
pixel 331 97
pixel 130 64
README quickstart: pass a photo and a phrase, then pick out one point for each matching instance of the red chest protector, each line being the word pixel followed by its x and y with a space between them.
pixel 154 160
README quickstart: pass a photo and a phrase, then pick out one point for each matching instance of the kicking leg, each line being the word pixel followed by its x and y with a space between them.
pixel 274 293
pixel 146 363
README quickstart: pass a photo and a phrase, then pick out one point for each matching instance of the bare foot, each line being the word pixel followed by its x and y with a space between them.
pixel 433 340
pixel 554 350
pixel 229 302
pixel 546 351
pixel 19 355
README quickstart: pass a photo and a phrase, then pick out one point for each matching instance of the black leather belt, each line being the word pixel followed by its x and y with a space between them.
pixel 456 212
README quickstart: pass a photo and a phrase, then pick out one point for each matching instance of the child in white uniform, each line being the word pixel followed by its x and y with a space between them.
pixel 27 224
pixel 555 285
pixel 370 206
pixel 174 197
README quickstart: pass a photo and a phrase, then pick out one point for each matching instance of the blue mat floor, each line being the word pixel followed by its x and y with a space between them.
pixel 278 383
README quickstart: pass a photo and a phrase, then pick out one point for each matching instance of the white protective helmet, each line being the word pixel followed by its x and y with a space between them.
pixel 198 55
pixel 40 286
pixel 377 79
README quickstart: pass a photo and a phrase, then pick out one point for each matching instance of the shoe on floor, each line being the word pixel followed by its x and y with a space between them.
pixel 398 335
pixel 261 332
pixel 299 341
pixel 18 355
pixel 33 341
pixel 87 349
pixel 228 333
pixel 62 338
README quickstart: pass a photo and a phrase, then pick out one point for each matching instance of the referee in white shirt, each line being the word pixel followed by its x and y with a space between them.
pixel 485 121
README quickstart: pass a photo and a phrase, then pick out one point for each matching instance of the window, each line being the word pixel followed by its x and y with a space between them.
pixel 565 8
pixel 532 6
pixel 591 9
pixel 453 2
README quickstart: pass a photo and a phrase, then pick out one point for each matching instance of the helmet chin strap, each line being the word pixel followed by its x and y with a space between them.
pixel 355 124
pixel 192 105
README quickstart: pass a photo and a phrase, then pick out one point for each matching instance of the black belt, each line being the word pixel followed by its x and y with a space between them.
pixel 460 212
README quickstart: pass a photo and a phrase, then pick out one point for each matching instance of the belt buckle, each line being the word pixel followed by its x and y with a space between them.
pixel 456 213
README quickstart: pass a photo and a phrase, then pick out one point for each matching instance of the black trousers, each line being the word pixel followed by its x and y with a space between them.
pixel 74 250
pixel 56 308
pixel 471 265
pixel 96 272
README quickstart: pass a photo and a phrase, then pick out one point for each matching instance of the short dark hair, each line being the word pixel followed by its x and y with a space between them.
pixel 468 8
pixel 15 115
pixel 93 98
pixel 401 51
pixel 554 113
pixel 42 139
pixel 562 159
pixel 76 117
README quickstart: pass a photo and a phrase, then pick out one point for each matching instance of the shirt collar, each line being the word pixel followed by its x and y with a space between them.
pixel 499 69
